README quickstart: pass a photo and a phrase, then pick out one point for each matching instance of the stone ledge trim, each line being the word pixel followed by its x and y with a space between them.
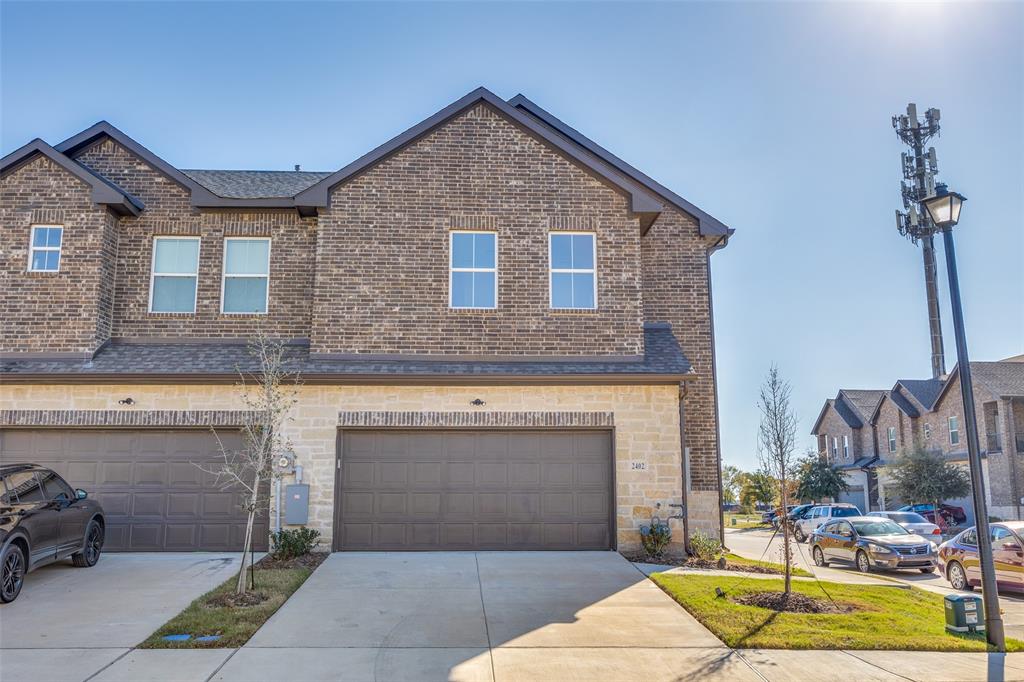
pixel 475 419
pixel 121 418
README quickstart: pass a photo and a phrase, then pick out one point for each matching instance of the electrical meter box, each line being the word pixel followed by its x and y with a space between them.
pixel 296 504
pixel 964 613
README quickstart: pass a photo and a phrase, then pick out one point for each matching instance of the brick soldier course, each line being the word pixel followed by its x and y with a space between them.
pixel 359 271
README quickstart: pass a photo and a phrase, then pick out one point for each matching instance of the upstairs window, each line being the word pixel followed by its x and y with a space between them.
pixel 835 447
pixel 892 439
pixel 473 270
pixel 846 447
pixel 927 431
pixel 954 431
pixel 44 248
pixel 245 287
pixel 573 272
pixel 175 274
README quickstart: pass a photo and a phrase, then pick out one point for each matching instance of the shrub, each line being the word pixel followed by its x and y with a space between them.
pixel 289 543
pixel 705 547
pixel 655 538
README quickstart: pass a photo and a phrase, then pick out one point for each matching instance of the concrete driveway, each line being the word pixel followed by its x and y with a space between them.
pixel 482 616
pixel 88 617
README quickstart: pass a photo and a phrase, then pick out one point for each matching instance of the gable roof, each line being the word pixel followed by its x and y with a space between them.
pixel 642 201
pixel 901 403
pixel 103 191
pixel 844 411
pixel 255 184
pixel 863 402
pixel 924 391
pixel 707 224
pixel 1001 379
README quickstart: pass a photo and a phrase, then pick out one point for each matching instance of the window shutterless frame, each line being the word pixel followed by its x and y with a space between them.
pixel 225 276
pixel 452 270
pixel 954 431
pixel 46 248
pixel 153 274
pixel 891 433
pixel 552 271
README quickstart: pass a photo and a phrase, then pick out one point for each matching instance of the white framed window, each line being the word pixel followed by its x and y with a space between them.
pixel 245 285
pixel 472 269
pixel 44 248
pixel 892 438
pixel 174 275
pixel 954 431
pixel 846 447
pixel 572 259
pixel 927 431
pixel 835 446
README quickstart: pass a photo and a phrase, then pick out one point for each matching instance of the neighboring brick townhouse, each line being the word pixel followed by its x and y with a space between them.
pixel 504 333
pixel 928 412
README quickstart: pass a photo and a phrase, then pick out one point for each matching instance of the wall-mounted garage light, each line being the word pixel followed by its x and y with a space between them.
pixel 126 401
pixel 477 402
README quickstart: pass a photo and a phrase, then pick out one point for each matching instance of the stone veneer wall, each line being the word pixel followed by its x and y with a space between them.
pixel 646 423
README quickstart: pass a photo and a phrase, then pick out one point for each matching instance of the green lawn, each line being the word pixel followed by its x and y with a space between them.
pixel 884 617
pixel 737 560
pixel 234 625
pixel 743 520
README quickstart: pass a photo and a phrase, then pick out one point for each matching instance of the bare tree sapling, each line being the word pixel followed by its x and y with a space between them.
pixel 776 444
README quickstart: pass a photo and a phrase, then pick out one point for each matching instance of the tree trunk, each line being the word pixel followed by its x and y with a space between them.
pixel 785 532
pixel 240 584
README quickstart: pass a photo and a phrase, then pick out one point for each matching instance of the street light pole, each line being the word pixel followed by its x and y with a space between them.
pixel 993 620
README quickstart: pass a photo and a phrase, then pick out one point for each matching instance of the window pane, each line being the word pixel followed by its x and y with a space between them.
pixel 39 236
pixel 583 291
pixel 247 256
pixel 174 294
pixel 483 289
pixel 462 250
pixel 561 251
pixel 53 236
pixel 561 290
pixel 245 295
pixel 583 251
pixel 176 256
pixel 483 250
pixel 39 260
pixel 462 289
pixel 52 260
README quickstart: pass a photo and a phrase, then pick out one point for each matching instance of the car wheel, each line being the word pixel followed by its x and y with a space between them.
pixel 12 573
pixel 819 557
pixel 863 562
pixel 798 533
pixel 958 577
pixel 90 554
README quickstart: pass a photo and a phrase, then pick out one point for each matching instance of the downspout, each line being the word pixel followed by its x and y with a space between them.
pixel 684 460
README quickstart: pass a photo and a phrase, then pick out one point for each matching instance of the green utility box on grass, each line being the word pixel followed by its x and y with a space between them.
pixel 964 613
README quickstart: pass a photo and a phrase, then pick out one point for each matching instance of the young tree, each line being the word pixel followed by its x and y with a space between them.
pixel 268 394
pixel 730 483
pixel 919 476
pixel 817 479
pixel 776 443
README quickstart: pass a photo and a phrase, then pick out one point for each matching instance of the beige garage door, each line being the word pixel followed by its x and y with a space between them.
pixel 153 495
pixel 466 490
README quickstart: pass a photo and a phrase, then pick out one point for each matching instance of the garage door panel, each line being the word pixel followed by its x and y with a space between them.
pixel 462 490
pixel 154 496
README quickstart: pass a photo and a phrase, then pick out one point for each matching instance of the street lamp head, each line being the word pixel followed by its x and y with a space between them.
pixel 944 207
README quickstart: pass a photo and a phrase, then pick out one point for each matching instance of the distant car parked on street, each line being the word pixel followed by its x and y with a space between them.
pixel 820 514
pixel 795 513
pixel 42 520
pixel 872 542
pixel 912 521
pixel 958 557
pixel 948 515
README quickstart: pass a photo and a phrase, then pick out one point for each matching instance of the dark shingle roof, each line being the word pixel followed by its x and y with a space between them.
pixel 1004 379
pixel 848 414
pixel 924 391
pixel 863 402
pixel 662 356
pixel 905 405
pixel 250 184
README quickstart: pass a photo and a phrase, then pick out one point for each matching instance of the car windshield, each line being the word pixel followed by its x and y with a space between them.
pixel 879 527
pixel 907 517
pixel 845 511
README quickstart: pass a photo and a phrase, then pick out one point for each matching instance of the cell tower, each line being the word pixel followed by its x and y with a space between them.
pixel 919 170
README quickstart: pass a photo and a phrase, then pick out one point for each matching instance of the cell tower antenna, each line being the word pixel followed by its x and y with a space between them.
pixel 920 167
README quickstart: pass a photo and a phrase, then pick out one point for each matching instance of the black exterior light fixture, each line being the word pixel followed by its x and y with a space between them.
pixel 944 207
pixel 477 402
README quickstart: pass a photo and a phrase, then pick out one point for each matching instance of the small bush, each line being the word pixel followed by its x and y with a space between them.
pixel 289 543
pixel 705 547
pixel 655 538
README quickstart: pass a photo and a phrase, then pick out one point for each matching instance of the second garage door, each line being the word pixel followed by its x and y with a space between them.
pixel 154 496
pixel 466 490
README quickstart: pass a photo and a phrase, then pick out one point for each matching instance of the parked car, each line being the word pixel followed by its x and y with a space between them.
pixel 958 557
pixel 951 515
pixel 870 542
pixel 818 515
pixel 42 520
pixel 912 521
pixel 777 514
pixel 796 513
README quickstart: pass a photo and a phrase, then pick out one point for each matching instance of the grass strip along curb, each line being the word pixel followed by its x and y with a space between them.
pixel 877 617
pixel 234 625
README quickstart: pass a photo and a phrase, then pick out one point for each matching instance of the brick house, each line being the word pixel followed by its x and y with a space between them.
pixel 504 333
pixel 929 412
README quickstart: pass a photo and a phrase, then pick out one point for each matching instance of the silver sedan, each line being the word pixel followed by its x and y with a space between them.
pixel 912 521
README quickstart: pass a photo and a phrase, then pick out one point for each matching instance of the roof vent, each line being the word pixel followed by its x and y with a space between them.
pixel 297 167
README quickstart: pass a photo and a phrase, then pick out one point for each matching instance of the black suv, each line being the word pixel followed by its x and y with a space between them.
pixel 42 520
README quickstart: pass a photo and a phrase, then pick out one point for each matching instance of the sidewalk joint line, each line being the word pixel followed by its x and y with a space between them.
pixel 750 665
pixel 223 663
pixel 875 665
pixel 483 608
pixel 109 664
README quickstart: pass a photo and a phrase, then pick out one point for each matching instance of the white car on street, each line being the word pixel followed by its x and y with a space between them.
pixel 820 514
pixel 912 521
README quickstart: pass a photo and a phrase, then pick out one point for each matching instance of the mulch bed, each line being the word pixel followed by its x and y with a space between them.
pixel 794 602
pixel 702 564
pixel 310 561
pixel 234 600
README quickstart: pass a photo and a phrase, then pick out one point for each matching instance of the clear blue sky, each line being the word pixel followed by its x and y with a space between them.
pixel 772 117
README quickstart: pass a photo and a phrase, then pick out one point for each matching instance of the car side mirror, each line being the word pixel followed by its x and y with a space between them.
pixel 80 494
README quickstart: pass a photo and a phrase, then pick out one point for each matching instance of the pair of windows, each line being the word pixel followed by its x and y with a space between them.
pixel 572 270
pixel 245 283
